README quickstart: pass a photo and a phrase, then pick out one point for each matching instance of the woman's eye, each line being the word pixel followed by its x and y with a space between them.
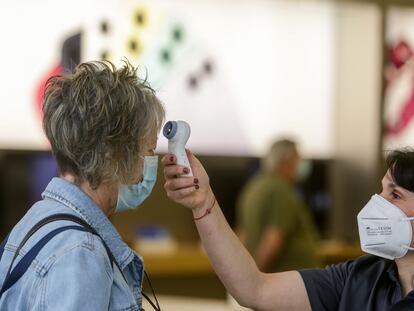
pixel 395 195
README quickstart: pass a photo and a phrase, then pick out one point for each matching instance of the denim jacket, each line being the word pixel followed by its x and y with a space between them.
pixel 73 270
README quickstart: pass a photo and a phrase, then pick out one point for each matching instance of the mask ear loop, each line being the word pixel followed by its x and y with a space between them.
pixel 406 246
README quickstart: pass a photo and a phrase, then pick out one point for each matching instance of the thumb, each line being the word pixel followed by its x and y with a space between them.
pixel 198 169
pixel 194 162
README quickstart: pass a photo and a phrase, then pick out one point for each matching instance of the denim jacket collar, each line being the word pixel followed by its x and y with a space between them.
pixel 73 197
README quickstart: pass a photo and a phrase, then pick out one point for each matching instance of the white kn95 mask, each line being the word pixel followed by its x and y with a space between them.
pixel 384 230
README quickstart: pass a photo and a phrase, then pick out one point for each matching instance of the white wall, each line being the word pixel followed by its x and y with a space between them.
pixel 357 116
pixel 31 35
pixel 273 66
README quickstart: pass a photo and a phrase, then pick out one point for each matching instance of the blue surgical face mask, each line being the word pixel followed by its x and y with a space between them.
pixel 131 196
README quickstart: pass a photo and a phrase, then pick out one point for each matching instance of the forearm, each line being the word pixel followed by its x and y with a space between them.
pixel 231 261
pixel 233 264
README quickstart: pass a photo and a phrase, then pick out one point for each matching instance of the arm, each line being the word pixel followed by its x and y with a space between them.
pixel 269 248
pixel 231 261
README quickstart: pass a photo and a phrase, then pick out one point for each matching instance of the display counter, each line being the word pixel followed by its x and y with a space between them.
pixel 191 259
pixel 172 303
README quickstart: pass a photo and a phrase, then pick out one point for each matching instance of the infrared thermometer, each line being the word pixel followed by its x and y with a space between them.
pixel 177 133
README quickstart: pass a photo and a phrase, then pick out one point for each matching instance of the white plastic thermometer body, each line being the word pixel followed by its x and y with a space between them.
pixel 177 133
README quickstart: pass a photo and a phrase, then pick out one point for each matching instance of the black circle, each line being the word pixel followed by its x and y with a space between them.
pixel 165 55
pixel 208 67
pixel 192 82
pixel 177 34
pixel 104 26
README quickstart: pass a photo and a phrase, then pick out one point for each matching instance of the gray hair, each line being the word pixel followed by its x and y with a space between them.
pixel 98 119
pixel 280 151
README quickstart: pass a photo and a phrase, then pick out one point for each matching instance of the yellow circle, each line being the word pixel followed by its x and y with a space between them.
pixel 140 17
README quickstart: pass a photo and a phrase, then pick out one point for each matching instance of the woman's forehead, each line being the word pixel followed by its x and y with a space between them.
pixel 389 182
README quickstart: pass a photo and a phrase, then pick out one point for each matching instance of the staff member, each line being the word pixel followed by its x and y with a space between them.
pixel 382 281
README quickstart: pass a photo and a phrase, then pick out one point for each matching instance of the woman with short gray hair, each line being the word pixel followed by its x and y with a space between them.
pixel 64 254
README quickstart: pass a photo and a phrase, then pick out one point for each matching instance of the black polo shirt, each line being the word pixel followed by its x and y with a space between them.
pixel 366 283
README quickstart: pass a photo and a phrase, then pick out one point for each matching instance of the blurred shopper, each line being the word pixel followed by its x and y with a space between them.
pixel 380 281
pixel 65 254
pixel 274 224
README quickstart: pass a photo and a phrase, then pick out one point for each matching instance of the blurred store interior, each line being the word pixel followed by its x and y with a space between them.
pixel 336 75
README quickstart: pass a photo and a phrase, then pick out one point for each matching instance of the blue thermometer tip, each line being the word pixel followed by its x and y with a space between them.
pixel 170 129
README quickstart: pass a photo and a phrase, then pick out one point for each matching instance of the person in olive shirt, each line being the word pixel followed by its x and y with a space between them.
pixel 273 222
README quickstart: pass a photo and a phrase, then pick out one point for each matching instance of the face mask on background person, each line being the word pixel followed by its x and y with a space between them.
pixel 384 230
pixel 131 196
pixel 303 170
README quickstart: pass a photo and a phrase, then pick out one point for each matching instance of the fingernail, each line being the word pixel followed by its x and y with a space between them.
pixel 186 170
pixel 197 186
pixel 171 158
pixel 195 180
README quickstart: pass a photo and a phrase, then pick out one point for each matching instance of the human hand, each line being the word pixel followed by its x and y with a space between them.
pixel 192 192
